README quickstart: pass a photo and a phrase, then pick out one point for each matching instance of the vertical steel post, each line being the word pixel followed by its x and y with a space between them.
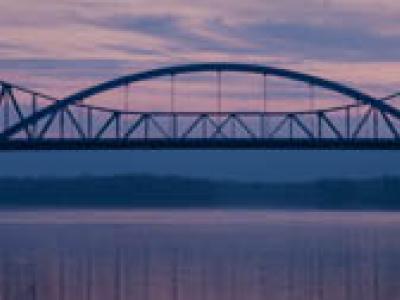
pixel 117 124
pixel 89 117
pixel 146 126
pixel 172 92
pixel 312 106
pixel 375 124
pixel 62 124
pixel 320 125
pixel 34 109
pixel 219 96
pixel 204 127
pixel 291 126
pixel 175 125
pixel 263 115
pixel 6 112
pixel 126 106
pixel 347 122
pixel 126 98
pixel 233 124
pixel 172 106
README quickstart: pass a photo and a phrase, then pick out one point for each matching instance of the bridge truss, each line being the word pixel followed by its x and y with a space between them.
pixel 33 121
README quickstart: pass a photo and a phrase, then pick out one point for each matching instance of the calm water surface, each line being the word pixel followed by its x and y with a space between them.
pixel 200 255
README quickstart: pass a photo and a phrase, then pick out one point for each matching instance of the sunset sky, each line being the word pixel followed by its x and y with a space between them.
pixel 59 47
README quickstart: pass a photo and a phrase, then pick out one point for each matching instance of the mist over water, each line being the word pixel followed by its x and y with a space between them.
pixel 198 255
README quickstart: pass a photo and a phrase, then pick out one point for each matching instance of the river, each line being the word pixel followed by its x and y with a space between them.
pixel 199 255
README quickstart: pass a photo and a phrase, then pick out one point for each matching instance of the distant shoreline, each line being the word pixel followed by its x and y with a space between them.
pixel 170 192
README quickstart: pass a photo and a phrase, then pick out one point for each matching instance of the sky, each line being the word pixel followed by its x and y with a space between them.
pixel 59 47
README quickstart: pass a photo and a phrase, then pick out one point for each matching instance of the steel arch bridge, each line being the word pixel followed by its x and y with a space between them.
pixel 28 118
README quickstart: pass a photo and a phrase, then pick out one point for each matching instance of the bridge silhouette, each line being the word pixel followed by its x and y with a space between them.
pixel 30 120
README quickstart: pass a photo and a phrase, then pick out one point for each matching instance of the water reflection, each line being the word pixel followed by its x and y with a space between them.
pixel 269 256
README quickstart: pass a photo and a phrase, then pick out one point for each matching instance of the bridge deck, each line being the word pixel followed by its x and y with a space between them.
pixel 228 144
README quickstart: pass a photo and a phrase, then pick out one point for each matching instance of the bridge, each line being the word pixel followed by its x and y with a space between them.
pixel 30 120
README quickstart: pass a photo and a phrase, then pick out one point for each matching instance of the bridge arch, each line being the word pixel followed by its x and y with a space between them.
pixel 80 96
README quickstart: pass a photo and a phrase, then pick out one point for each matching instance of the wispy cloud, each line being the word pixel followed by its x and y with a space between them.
pixel 331 43
pixel 91 40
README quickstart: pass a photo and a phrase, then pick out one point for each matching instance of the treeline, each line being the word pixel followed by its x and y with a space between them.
pixel 168 192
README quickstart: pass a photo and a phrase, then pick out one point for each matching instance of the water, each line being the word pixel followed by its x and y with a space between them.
pixel 199 255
